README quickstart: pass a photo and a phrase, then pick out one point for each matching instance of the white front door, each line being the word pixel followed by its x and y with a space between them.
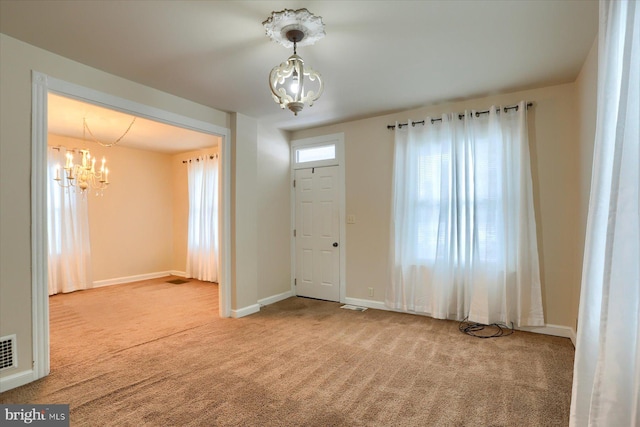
pixel 317 232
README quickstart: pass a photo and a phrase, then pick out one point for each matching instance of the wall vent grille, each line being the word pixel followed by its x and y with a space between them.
pixel 8 357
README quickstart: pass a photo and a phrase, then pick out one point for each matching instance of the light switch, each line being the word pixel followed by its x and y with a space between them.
pixel 351 219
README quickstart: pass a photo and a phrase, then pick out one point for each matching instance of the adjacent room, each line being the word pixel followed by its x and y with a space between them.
pixel 136 226
pixel 142 226
pixel 412 213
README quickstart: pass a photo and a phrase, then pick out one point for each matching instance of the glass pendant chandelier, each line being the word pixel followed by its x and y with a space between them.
pixel 292 84
pixel 83 175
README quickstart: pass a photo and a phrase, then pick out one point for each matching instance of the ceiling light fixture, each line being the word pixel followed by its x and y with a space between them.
pixel 292 84
pixel 83 175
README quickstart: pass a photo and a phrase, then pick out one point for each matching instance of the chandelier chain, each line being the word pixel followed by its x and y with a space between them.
pixel 86 128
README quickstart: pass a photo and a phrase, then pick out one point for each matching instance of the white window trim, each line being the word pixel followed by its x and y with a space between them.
pixel 314 163
pixel 313 143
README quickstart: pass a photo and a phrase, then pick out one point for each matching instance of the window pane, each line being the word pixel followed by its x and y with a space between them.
pixel 314 154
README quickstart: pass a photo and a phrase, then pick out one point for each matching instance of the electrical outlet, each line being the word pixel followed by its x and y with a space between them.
pixel 351 219
pixel 370 292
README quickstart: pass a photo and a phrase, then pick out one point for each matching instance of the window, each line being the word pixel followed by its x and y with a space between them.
pixel 69 245
pixel 202 240
pixel 463 231
pixel 315 154
pixel 467 194
pixel 427 207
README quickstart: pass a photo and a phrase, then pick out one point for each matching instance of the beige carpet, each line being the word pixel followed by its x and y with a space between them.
pixel 156 354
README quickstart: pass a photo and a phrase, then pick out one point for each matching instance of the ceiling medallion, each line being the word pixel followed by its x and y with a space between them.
pixel 292 84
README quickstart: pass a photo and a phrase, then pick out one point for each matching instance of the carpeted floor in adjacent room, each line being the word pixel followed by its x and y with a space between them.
pixel 156 354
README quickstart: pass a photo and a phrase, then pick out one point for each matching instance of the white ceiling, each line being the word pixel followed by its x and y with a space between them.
pixel 66 117
pixel 377 56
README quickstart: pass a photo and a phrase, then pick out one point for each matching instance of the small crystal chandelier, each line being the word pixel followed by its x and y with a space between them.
pixel 292 84
pixel 83 175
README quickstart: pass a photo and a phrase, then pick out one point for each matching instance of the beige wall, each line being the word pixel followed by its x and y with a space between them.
pixel 130 224
pixel 17 60
pixel 140 223
pixel 180 201
pixel 274 212
pixel 554 142
pixel 244 226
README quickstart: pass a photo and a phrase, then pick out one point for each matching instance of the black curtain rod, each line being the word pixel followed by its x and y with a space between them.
pixel 73 150
pixel 460 116
pixel 197 159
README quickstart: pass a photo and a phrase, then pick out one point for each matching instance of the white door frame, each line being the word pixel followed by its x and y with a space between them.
pixel 338 140
pixel 41 85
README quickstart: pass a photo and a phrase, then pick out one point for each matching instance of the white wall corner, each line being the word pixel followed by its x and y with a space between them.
pixel 245 311
pixel 275 298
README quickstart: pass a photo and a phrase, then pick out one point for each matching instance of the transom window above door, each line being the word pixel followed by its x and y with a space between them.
pixel 315 155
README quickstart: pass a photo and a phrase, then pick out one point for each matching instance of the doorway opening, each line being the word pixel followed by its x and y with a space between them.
pixel 132 232
pixel 42 86
pixel 318 242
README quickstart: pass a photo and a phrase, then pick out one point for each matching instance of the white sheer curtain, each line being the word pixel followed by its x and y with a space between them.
pixel 69 249
pixel 463 234
pixel 606 378
pixel 202 249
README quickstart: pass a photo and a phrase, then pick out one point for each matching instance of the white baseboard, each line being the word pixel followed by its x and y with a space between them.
pixel 555 330
pixel 379 305
pixel 16 380
pixel 129 279
pixel 178 273
pixel 251 309
pixel 245 311
pixel 275 298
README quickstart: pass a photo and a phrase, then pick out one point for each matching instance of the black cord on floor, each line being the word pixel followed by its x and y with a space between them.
pixel 475 329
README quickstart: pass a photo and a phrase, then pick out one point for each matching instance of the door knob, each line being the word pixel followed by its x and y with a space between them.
pixel 335 244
